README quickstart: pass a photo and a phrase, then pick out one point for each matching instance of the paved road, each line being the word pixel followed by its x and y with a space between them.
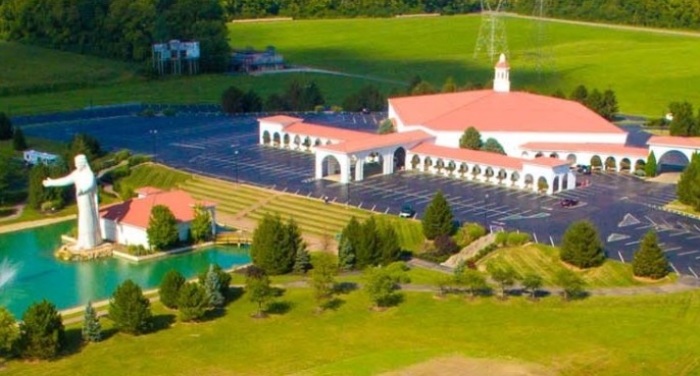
pixel 623 207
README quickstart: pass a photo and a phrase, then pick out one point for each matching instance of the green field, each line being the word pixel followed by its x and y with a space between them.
pixel 646 335
pixel 647 70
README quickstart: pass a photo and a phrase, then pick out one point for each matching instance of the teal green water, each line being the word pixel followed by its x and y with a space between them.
pixel 69 284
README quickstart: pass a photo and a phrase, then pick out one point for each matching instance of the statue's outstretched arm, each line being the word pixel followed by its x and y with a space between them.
pixel 60 182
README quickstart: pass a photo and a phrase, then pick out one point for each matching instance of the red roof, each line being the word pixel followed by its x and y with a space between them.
pixel 489 111
pixel 282 119
pixel 469 156
pixel 323 131
pixel 547 161
pixel 137 211
pixel 585 147
pixel 691 142
pixel 377 141
pixel 145 191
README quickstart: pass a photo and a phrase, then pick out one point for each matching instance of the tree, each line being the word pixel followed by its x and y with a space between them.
pixel 449 86
pixel 325 268
pixel 232 100
pixel 649 261
pixel 381 283
pixel 43 335
pixel 532 282
pixel 162 228
pixel 580 94
pixel 302 262
pixel 471 139
pixel 688 189
pixel 650 167
pixel 368 97
pixel 595 101
pixel 6 128
pixel 389 247
pixel 311 97
pixel 347 246
pixel 275 245
pixel 129 309
pixel 83 143
pixel 492 145
pixel 169 290
pixel 251 102
pixel 9 332
pixel 471 279
pixel 423 88
pixel 438 218
pixel 193 301
pixel 571 284
pixel 19 143
pixel 581 245
pixel 92 330
pixel 222 275
pixel 386 127
pixel 257 285
pixel 212 288
pixel 504 275
pixel 367 247
pixel 683 123
pixel 201 226
pixel 609 106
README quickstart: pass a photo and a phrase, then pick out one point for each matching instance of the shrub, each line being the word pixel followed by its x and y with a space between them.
pixel 148 112
pixel 193 302
pixel 169 112
pixel 483 252
pixel 381 283
pixel 517 239
pixel 169 290
pixel 42 330
pixel 445 245
pixel 9 332
pixel 212 288
pixel 138 250
pixel 92 330
pixel 129 309
pixel 122 155
pixel 136 160
pixel 581 245
pixel 501 239
pixel 469 233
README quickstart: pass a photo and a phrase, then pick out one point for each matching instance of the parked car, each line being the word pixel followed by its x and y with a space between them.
pixel 568 202
pixel 407 212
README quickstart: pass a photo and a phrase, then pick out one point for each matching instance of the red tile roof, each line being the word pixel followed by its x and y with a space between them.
pixel 469 156
pixel 489 111
pixel 324 131
pixel 546 161
pixel 378 141
pixel 137 211
pixel 585 147
pixel 282 119
pixel 691 142
pixel 145 191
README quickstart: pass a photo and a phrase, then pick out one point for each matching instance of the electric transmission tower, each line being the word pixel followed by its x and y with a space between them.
pixel 492 39
pixel 542 50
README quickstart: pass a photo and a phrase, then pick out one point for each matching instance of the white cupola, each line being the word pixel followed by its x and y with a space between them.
pixel 501 83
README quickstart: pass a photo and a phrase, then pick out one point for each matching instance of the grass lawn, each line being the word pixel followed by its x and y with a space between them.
pixel 544 261
pixel 677 205
pixel 155 175
pixel 644 335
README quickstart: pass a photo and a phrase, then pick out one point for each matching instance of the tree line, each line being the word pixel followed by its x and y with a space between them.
pixel 120 29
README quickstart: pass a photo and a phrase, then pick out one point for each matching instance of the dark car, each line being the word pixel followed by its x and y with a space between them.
pixel 407 211
pixel 568 202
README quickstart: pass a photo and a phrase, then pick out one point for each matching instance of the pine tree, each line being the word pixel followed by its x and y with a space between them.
pixel 169 290
pixel 650 167
pixel 438 218
pixel 257 286
pixel 43 335
pixel 347 247
pixel 386 127
pixel 649 261
pixel 581 245
pixel 129 309
pixel 275 245
pixel 92 330
pixel 609 108
pixel 580 94
pixel 449 86
pixel 212 287
pixel 193 302
pixel 683 123
pixel 222 275
pixel 389 247
pixel 19 143
pixel 162 228
pixel 688 189
pixel 493 146
pixel 201 227
pixel 368 245
pixel 302 262
pixel 471 139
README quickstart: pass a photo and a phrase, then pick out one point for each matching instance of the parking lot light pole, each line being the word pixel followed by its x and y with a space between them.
pixel 486 198
pixel 235 156
pixel 154 137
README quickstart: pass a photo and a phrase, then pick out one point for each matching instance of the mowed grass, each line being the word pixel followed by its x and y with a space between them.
pixel 643 335
pixel 647 70
pixel 544 261
pixel 154 175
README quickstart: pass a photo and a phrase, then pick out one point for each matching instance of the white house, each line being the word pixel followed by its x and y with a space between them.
pixel 35 157
pixel 127 222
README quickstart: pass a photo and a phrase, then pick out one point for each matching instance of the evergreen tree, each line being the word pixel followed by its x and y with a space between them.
pixel 294 249
pixel 595 101
pixel 201 226
pixel 170 286
pixel 688 189
pixel 257 286
pixel 367 252
pixel 347 247
pixel 311 97
pixel 302 262
pixel 415 81
pixel 212 288
pixel 43 335
pixel 129 309
pixel 36 194
pixel 6 128
pixel 493 146
pixel 293 96
pixel 683 123
pixel 449 86
pixel 222 275
pixel 571 284
pixel 232 100
pixel 580 94
pixel 9 332
pixel 389 246
pixel 325 267
pixel 83 143
pixel 650 167
pixel 251 102
pixel 162 228
pixel 92 330
pixel 581 245
pixel 559 94
pixel 193 302
pixel 438 218
pixel 386 127
pixel 471 139
pixel 609 108
pixel 423 88
pixel 19 143
pixel 275 245
pixel 649 261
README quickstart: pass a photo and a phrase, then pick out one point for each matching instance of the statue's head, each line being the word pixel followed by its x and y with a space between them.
pixel 80 161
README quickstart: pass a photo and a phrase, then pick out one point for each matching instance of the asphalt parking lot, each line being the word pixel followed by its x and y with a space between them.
pixel 623 207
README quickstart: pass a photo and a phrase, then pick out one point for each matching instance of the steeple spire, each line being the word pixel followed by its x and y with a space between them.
pixel 501 82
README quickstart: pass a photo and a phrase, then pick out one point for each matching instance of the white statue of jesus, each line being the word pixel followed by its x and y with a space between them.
pixel 89 235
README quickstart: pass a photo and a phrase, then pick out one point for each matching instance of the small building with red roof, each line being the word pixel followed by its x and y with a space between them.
pixel 127 222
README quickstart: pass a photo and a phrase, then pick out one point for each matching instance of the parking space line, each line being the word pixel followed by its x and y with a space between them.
pixel 672 249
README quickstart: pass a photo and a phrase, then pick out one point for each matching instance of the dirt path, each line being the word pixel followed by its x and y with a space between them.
pixel 38 223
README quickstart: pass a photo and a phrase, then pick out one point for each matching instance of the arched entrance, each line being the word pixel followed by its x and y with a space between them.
pixel 317 142
pixel 502 174
pixel 564 182
pixel 415 161
pixel 399 159
pixel 514 177
pixel 476 170
pixel 488 173
pixel 307 142
pixel 451 167
pixel 463 169
pixel 640 166
pixel 540 154
pixel 439 165
pixel 610 164
pixel 571 158
pixel 529 180
pixel 266 138
pixel 330 168
pixel 285 140
pixel 554 155
pixel 276 139
pixel 625 165
pixel 297 142
pixel 672 161
pixel 596 162
pixel 373 165
pixel 555 184
pixel 427 164
pixel 542 185
pixel 524 154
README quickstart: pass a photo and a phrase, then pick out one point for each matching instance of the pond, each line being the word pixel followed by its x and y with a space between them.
pixel 29 272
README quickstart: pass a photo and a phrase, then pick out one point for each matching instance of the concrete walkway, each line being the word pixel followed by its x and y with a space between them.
pixel 33 224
